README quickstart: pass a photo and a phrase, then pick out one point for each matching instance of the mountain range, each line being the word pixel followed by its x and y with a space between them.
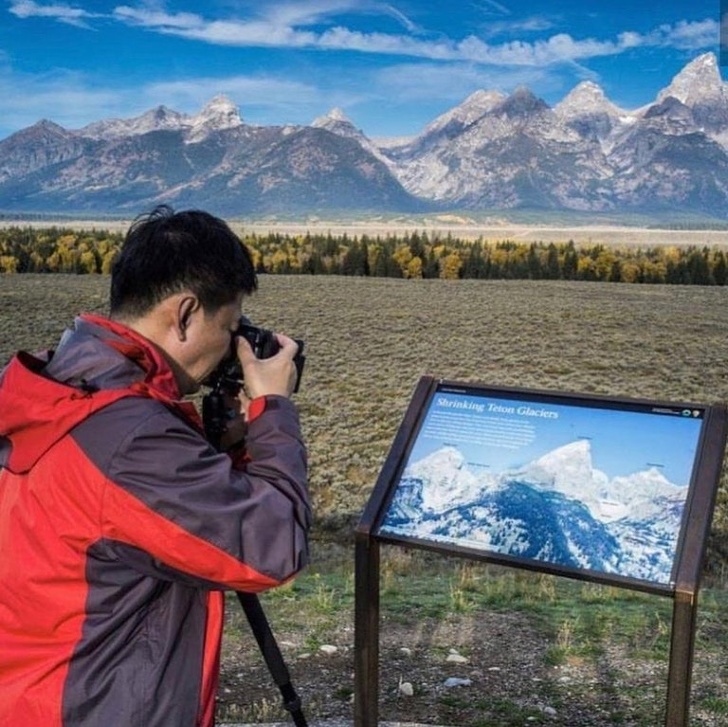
pixel 491 152
pixel 559 509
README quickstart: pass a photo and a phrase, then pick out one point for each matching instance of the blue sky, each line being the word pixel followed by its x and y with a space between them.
pixel 391 66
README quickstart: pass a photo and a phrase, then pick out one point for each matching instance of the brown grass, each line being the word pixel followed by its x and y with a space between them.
pixel 369 340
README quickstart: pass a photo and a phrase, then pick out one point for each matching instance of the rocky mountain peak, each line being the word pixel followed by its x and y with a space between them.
pixel 333 118
pixel 697 82
pixel 336 114
pixel 586 98
pixel 479 103
pixel 490 152
pixel 219 113
pixel 470 110
pixel 46 126
pixel 521 103
pixel 43 131
pixel 156 119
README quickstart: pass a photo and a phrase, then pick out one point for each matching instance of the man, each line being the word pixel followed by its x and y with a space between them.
pixel 119 524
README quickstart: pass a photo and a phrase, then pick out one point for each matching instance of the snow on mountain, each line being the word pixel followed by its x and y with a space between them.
pixel 587 98
pixel 337 122
pixel 466 113
pixel 699 87
pixel 160 118
pixel 569 470
pixel 447 482
pixel 219 114
pixel 588 111
pixel 698 82
pixel 558 508
pixel 514 148
pixel 333 119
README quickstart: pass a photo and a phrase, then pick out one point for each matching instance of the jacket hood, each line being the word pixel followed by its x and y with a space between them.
pixel 96 363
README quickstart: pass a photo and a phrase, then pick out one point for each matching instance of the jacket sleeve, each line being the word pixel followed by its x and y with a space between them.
pixel 169 494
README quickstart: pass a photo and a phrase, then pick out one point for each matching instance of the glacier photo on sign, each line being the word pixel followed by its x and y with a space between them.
pixel 584 486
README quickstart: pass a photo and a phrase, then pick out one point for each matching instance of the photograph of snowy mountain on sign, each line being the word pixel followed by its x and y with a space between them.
pixel 582 487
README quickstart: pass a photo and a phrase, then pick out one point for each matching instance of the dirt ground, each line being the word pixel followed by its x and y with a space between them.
pixel 504 679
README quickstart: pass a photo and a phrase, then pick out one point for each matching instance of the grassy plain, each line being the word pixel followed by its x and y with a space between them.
pixel 368 342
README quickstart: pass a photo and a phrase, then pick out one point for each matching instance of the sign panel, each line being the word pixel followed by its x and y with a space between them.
pixel 567 483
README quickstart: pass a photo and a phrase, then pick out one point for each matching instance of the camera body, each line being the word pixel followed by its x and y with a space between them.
pixel 229 372
pixel 227 378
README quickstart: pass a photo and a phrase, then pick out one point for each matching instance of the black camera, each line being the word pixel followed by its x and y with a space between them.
pixel 229 372
pixel 227 378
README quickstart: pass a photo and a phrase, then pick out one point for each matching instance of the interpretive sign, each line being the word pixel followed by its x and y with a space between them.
pixel 605 489
pixel 579 484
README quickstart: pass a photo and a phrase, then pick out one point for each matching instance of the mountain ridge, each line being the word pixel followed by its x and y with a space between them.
pixel 491 152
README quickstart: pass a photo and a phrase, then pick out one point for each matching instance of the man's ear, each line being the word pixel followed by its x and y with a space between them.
pixel 187 306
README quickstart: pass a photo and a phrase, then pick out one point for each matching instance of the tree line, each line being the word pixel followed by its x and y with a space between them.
pixel 412 255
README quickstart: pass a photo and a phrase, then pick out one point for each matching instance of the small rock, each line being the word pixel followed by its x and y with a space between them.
pixel 405 651
pixel 328 649
pixel 406 689
pixel 455 658
pixel 456 682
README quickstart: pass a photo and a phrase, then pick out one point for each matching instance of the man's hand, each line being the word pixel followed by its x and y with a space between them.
pixel 268 376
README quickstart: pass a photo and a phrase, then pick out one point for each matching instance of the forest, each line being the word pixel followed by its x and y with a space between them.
pixel 412 255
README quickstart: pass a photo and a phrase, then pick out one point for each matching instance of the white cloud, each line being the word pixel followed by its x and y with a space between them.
pixel 311 25
pixel 61 12
pixel 692 36
pixel 281 26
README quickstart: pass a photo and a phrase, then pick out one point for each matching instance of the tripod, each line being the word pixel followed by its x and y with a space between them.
pixel 212 417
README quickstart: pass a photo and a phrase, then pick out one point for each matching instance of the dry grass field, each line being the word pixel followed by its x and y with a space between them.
pixel 368 342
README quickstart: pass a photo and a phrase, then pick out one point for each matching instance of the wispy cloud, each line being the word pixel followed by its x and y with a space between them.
pixel 290 26
pixel 689 36
pixel 61 12
pixel 311 25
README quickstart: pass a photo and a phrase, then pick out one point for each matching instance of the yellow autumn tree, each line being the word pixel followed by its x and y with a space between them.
pixel 8 264
pixel 414 268
pixel 450 266
pixel 402 256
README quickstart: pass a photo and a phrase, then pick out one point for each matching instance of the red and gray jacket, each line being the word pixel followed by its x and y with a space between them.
pixel 119 528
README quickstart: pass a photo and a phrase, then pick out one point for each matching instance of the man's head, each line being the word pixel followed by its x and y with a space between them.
pixel 167 252
pixel 179 281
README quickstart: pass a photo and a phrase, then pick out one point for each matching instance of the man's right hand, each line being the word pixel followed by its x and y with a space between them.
pixel 274 376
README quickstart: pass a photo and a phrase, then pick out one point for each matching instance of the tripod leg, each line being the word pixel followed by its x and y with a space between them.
pixel 272 655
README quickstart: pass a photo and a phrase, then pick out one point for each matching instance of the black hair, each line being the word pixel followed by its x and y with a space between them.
pixel 167 252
